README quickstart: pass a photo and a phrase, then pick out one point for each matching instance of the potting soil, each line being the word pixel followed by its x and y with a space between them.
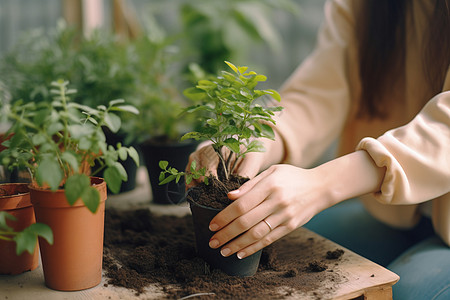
pixel 142 249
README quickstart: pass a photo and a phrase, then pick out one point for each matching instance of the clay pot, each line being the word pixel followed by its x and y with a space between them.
pixel 15 200
pixel 177 154
pixel 231 265
pixel 74 261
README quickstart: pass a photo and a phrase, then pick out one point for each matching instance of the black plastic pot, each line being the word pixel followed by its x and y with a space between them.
pixel 128 164
pixel 177 154
pixel 231 265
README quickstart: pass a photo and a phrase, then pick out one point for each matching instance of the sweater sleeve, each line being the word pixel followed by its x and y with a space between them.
pixel 316 98
pixel 416 156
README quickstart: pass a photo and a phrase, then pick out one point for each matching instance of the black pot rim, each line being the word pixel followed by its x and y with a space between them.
pixel 191 202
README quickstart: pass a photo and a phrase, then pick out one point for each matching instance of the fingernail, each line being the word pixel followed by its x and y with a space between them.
pixel 213 243
pixel 241 255
pixel 235 192
pixel 225 251
pixel 213 227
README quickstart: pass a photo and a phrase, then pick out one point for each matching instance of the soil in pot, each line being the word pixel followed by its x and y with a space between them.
pixel 142 249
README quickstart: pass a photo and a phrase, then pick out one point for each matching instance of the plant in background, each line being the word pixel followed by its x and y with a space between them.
pixel 58 142
pixel 157 89
pixel 220 30
pixel 25 240
pixel 232 117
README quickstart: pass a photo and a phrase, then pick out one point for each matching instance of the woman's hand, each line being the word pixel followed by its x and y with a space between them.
pixel 273 204
pixel 248 166
pixel 284 197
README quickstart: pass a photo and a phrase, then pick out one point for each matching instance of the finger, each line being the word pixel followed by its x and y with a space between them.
pixel 244 223
pixel 257 236
pixel 247 201
pixel 249 185
pixel 256 233
pixel 268 239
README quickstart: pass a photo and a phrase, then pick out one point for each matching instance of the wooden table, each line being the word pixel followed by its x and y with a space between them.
pixel 363 279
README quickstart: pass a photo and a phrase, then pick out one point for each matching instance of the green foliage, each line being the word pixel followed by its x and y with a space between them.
pixel 169 174
pixel 26 239
pixel 59 142
pixel 101 67
pixel 218 30
pixel 232 117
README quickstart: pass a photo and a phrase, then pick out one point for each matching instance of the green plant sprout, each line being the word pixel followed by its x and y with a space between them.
pixel 26 239
pixel 232 117
pixel 59 142
pixel 174 174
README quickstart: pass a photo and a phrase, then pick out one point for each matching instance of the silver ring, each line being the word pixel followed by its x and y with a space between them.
pixel 265 221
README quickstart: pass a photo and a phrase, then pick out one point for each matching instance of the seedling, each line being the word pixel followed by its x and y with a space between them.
pixel 232 117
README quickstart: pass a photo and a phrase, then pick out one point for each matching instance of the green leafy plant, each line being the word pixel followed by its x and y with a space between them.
pixel 217 30
pixel 232 117
pixel 174 174
pixel 59 142
pixel 26 239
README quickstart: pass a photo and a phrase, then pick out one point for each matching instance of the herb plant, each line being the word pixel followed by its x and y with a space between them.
pixel 59 142
pixel 26 239
pixel 232 117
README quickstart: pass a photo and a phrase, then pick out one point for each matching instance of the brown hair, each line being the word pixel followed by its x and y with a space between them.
pixel 381 36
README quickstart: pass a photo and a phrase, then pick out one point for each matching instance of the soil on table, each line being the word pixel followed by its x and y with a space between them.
pixel 142 249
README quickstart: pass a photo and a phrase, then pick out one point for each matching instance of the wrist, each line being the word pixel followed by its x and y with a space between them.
pixel 349 176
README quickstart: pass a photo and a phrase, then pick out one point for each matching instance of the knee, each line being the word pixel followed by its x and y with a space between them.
pixel 424 271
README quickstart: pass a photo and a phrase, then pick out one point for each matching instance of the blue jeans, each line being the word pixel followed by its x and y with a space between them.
pixel 417 255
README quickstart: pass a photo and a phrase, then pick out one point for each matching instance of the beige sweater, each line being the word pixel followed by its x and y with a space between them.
pixel 321 101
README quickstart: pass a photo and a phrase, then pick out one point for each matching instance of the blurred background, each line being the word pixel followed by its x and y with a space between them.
pixel 286 30
pixel 146 52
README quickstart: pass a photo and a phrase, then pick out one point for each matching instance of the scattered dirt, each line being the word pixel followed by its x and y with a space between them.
pixel 142 249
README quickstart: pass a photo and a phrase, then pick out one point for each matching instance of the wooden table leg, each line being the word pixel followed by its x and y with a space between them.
pixel 381 293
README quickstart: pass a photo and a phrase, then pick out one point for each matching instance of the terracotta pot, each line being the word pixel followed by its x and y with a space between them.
pixel 231 265
pixel 177 154
pixel 15 200
pixel 74 261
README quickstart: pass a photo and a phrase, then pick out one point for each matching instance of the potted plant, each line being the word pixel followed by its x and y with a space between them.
pixel 233 120
pixel 59 142
pixel 18 230
pixel 160 125
pixel 97 66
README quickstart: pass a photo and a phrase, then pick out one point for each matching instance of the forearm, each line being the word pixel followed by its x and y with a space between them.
pixel 349 176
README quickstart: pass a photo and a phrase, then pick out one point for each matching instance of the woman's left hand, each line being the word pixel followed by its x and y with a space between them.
pixel 285 197
pixel 266 208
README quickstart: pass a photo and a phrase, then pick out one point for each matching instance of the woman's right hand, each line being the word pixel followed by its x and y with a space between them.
pixel 205 156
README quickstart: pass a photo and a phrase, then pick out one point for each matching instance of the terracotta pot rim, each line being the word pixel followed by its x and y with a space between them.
pixel 48 198
pixel 15 201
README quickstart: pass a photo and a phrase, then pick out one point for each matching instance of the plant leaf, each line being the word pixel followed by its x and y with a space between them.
pixel 91 198
pixel 75 187
pixel 3 218
pixel 112 121
pixel 26 240
pixel 134 155
pixel 232 144
pixel 113 179
pixel 49 171
pixel 71 159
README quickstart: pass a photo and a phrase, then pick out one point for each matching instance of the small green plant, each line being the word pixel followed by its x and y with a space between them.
pixel 26 239
pixel 174 174
pixel 232 117
pixel 59 142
